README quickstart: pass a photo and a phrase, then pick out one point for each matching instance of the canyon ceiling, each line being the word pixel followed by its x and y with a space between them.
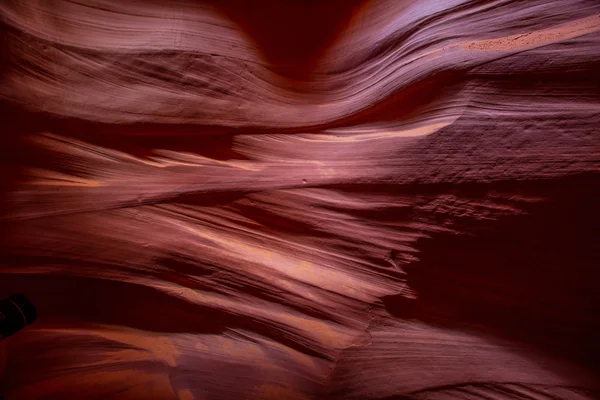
pixel 302 199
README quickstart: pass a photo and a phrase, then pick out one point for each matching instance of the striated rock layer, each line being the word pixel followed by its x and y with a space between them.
pixel 302 199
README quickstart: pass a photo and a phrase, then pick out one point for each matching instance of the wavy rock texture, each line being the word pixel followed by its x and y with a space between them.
pixel 302 199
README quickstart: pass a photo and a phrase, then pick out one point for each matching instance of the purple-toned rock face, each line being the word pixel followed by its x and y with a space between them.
pixel 302 199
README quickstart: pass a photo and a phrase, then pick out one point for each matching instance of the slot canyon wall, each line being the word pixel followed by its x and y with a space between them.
pixel 302 199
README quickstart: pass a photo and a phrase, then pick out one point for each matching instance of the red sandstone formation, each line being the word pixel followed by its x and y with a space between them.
pixel 302 199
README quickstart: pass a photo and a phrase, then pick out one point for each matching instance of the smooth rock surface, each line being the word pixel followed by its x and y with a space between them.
pixel 302 199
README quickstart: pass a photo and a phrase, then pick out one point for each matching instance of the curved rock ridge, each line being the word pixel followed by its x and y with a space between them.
pixel 302 199
pixel 187 62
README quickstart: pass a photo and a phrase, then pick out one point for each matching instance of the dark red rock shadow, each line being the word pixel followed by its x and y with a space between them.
pixel 531 277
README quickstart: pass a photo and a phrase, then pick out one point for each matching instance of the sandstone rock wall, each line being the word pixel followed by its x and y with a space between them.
pixel 302 199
